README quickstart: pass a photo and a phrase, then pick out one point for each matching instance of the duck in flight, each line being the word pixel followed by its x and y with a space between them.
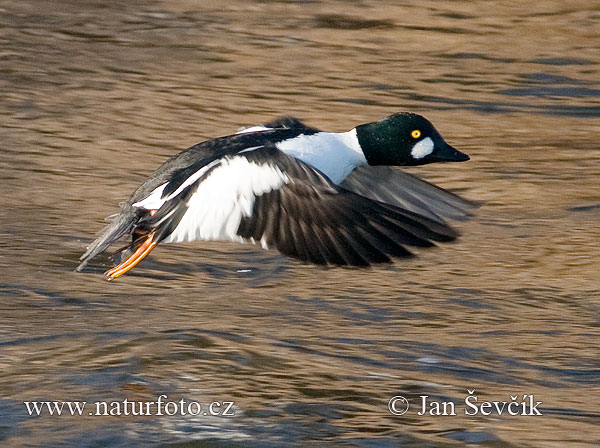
pixel 322 197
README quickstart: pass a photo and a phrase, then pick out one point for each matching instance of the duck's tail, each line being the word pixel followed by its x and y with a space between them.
pixel 122 224
pixel 146 227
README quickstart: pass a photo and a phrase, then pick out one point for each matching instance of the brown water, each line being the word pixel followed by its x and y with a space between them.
pixel 95 95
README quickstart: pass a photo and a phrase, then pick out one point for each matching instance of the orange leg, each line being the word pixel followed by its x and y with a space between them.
pixel 134 259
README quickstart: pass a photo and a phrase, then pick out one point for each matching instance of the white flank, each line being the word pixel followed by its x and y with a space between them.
pixel 216 209
pixel 422 148
pixel 334 154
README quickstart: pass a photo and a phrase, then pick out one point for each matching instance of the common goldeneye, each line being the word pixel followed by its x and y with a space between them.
pixel 321 197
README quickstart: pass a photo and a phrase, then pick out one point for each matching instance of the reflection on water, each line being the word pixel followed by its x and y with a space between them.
pixel 95 95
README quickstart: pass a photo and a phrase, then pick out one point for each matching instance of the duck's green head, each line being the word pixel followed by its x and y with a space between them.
pixel 405 139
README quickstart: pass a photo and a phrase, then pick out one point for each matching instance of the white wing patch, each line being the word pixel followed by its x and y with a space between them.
pixel 216 209
pixel 422 148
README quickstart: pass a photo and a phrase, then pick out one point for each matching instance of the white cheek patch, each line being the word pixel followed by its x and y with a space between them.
pixel 422 148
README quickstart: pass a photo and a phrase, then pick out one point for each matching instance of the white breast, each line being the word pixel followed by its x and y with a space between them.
pixel 334 154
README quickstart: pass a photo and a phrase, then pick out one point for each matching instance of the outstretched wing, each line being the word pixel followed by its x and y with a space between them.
pixel 401 189
pixel 265 196
pixel 311 218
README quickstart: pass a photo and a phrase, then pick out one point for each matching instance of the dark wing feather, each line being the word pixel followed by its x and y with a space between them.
pixel 401 189
pixel 312 219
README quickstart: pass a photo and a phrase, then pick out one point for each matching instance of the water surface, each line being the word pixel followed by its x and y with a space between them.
pixel 95 95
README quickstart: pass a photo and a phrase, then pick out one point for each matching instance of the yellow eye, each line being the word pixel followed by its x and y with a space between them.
pixel 416 133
